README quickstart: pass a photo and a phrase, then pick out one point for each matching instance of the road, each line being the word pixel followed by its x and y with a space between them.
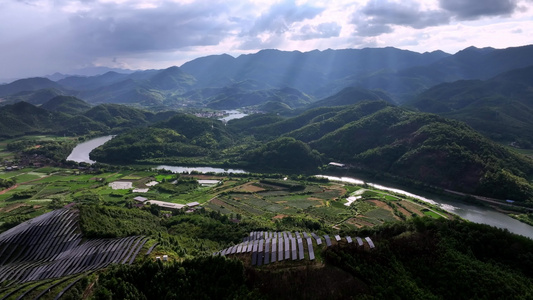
pixel 487 199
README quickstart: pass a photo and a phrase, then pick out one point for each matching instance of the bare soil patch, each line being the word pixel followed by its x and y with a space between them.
pixel 413 207
pixel 279 217
pixel 249 187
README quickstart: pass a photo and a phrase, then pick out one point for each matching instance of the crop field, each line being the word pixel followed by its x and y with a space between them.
pixel 317 201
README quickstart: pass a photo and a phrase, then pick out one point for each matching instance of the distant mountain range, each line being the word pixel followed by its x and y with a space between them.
pixel 291 82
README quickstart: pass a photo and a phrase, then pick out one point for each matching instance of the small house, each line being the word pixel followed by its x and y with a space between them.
pixel 140 199
pixel 193 204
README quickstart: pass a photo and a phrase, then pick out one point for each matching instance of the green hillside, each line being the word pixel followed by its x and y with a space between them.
pixel 500 107
pixel 61 116
pixel 66 104
pixel 372 136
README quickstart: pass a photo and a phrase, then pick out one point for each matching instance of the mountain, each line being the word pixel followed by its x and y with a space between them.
pixel 66 104
pixel 182 135
pixel 235 97
pixel 473 63
pixel 66 115
pixel 499 107
pixel 146 88
pixel 373 136
pixel 173 79
pixel 24 118
pixel 26 85
pixel 35 97
pixel 308 72
pixel 351 95
pixel 84 83
pixel 280 81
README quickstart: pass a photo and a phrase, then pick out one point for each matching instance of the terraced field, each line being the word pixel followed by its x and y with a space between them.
pixel 324 201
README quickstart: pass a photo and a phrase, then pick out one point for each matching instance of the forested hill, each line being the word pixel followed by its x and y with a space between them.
pixel 66 115
pixel 499 107
pixel 372 136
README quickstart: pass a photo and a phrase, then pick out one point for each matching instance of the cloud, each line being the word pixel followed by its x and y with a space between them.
pixel 378 16
pixel 111 29
pixel 279 18
pixel 320 31
pixel 472 10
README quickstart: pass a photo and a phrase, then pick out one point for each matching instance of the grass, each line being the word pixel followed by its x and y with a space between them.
pixel 381 214
pixel 430 213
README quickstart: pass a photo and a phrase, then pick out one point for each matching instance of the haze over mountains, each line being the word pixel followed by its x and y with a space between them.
pixel 318 74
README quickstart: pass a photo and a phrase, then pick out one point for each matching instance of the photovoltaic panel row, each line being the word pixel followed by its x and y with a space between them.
pixel 310 249
pixel 370 243
pixel 317 238
pixel 328 240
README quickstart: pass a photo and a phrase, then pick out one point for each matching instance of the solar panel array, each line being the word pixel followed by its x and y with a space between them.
pixel 270 247
pixel 49 246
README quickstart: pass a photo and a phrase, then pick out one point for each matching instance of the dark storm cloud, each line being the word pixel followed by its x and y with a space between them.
pixel 279 17
pixel 320 31
pixel 378 15
pixel 114 30
pixel 471 10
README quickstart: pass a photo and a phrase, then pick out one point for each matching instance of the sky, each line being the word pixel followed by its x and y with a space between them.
pixel 39 37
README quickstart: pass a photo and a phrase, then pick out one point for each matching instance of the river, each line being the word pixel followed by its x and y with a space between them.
pixel 80 153
pixel 233 114
pixel 473 213
pixel 477 214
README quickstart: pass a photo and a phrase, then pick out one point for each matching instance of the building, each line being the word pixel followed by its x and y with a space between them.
pixel 140 199
pixel 334 164
pixel 166 204
pixel 193 204
pixel 208 182
pixel 121 185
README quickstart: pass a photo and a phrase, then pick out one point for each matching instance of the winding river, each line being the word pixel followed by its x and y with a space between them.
pixel 80 153
pixel 477 214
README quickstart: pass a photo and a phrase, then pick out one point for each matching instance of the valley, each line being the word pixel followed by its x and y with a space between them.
pixel 148 182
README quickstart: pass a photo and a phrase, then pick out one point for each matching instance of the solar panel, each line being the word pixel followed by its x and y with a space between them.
pixel 328 240
pixel 305 235
pixel 310 249
pixel 370 243
pixel 348 239
pixel 287 249
pixel 280 249
pixel 260 253
pixel 254 253
pixel 274 250
pixel 337 237
pixel 256 244
pixel 234 249
pixel 239 249
pixel 359 241
pixel 250 245
pixel 293 245
pixel 317 238
pixel 267 252
pixel 298 235
pixel 300 249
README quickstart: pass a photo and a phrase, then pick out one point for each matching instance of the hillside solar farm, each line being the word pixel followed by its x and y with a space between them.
pixel 271 247
pixel 50 246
